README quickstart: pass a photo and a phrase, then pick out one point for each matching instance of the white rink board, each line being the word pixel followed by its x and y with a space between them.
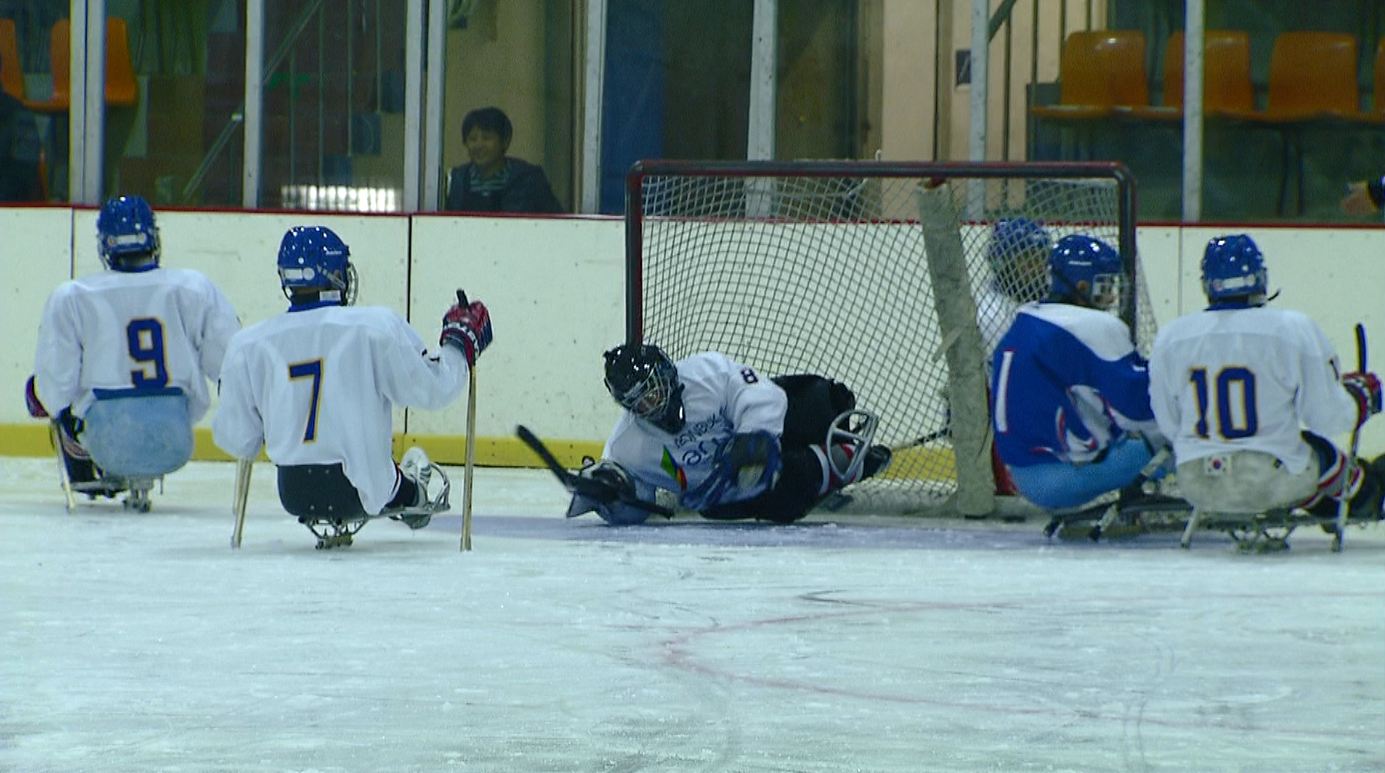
pixel 558 292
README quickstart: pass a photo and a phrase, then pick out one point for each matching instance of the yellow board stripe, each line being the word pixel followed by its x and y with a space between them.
pixel 32 440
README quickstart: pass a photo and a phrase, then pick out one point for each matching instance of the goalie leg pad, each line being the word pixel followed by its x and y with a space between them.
pixel 814 403
pixel 795 492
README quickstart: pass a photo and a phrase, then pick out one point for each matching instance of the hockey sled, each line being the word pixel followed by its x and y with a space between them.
pixel 1266 532
pixel 1124 518
pixel 324 500
pixel 130 439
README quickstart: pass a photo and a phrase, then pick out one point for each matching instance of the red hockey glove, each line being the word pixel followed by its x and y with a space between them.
pixel 1365 389
pixel 468 328
pixel 31 401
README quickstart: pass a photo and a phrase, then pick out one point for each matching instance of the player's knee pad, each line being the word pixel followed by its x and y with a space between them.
pixel 131 434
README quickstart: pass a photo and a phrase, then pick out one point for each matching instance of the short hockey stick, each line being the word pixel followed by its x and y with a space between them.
pixel 470 470
pixel 576 484
pixel 239 499
pixel 1343 504
pixel 55 435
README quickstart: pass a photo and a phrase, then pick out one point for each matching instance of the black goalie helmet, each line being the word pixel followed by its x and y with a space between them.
pixel 645 382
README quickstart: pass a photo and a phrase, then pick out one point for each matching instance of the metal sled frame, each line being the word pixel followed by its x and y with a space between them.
pixel 334 532
pixel 1266 532
pixel 108 486
pixel 1112 521
pixel 856 428
pixel 418 517
pixel 340 532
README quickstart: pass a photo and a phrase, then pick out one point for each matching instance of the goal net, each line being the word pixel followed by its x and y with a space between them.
pixel 889 277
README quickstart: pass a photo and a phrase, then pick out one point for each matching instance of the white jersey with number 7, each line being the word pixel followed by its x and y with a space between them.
pixel 316 386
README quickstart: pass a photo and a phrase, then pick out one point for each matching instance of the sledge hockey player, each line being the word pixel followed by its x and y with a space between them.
pixel 1018 257
pixel 1249 396
pixel 124 358
pixel 727 441
pixel 1070 395
pixel 316 385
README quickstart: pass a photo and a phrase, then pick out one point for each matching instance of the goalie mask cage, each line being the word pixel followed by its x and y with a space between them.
pixel 880 275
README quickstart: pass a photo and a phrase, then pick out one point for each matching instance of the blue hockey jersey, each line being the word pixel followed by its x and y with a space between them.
pixel 1065 380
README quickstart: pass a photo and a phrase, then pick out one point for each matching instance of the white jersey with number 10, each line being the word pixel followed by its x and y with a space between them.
pixel 1247 379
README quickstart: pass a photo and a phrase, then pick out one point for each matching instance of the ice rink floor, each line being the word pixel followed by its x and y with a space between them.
pixel 847 643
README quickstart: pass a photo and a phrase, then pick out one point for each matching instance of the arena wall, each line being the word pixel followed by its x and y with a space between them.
pixel 555 287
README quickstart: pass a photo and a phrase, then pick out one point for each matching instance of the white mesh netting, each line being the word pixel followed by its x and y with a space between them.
pixel 828 274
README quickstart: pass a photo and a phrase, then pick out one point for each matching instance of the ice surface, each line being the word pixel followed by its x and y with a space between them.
pixel 144 643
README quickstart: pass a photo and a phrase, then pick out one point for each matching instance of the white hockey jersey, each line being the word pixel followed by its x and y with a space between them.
pixel 995 312
pixel 125 329
pixel 721 397
pixel 1239 379
pixel 315 385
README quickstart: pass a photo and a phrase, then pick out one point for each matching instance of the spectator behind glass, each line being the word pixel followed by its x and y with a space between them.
pixel 492 181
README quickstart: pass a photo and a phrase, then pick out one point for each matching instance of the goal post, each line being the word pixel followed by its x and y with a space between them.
pixel 890 277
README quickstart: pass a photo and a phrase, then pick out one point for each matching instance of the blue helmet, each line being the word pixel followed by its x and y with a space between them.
pixel 1079 259
pixel 126 236
pixel 645 382
pixel 1233 267
pixel 1018 254
pixel 313 258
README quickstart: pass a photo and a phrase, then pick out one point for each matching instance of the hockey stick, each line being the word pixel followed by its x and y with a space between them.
pixel 578 485
pixel 239 499
pixel 470 469
pixel 55 435
pixel 1343 504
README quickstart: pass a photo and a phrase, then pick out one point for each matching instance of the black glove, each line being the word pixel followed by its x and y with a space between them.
pixel 467 327
pixel 605 481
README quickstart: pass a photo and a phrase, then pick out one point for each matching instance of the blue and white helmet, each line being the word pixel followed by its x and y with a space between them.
pixel 314 258
pixel 1234 267
pixel 1018 254
pixel 1087 270
pixel 126 236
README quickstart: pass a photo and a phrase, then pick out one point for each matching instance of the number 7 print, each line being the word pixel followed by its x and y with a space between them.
pixel 311 369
